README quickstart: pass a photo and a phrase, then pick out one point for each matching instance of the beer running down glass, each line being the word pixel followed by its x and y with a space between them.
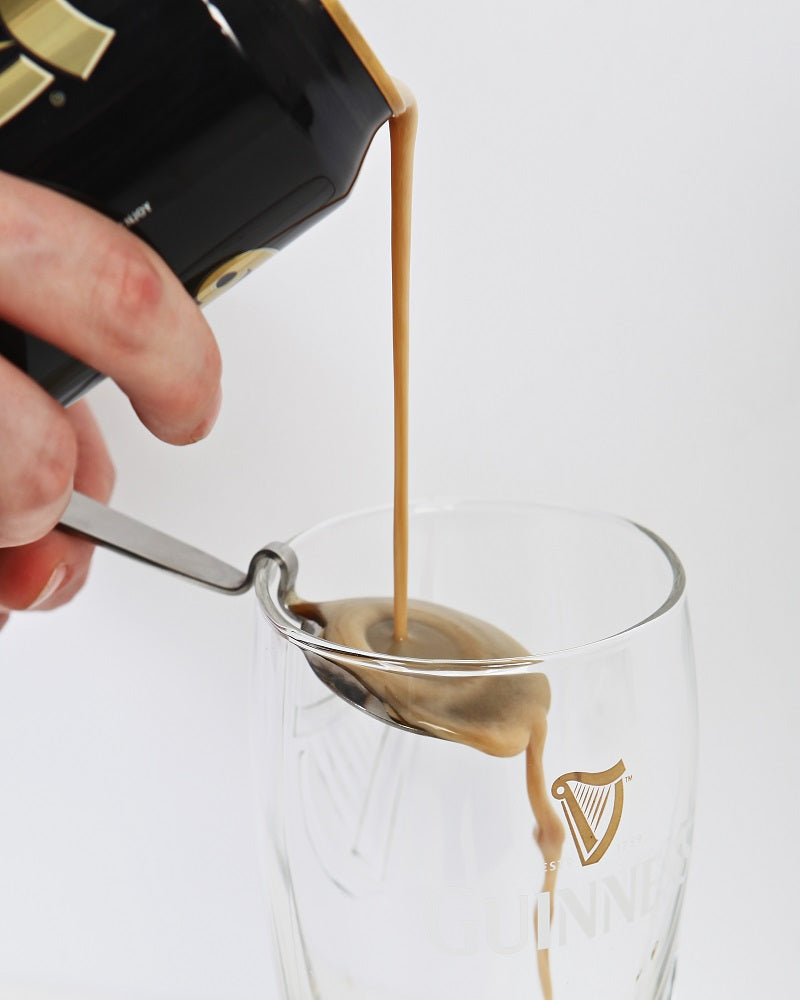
pixel 408 867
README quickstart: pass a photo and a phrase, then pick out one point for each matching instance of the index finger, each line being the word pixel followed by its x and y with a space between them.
pixel 76 279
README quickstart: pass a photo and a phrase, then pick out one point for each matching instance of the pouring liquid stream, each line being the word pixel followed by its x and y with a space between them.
pixel 403 133
pixel 499 715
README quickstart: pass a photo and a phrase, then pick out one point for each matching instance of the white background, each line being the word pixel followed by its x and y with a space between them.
pixel 605 311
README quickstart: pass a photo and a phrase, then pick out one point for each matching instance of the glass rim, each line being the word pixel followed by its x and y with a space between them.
pixel 267 577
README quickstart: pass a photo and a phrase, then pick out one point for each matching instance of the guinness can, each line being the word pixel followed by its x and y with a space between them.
pixel 217 132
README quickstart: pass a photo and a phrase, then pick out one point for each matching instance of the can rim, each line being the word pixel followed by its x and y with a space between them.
pixel 392 93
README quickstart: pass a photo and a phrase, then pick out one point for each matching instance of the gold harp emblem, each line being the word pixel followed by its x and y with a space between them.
pixel 592 804
pixel 56 33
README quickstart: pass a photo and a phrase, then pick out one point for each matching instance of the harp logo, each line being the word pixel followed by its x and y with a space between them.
pixel 592 804
pixel 57 34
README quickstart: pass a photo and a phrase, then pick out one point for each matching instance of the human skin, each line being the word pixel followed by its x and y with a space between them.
pixel 85 284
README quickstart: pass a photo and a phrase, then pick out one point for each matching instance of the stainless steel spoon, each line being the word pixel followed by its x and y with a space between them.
pixel 112 530
pixel 99 524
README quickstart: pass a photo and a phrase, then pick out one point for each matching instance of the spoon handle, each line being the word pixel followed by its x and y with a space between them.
pixel 109 528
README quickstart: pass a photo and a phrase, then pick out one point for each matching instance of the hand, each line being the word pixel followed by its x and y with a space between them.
pixel 74 278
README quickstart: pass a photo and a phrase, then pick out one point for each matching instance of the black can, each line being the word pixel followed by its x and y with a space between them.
pixel 217 132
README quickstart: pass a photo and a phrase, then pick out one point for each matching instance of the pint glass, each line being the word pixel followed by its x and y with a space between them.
pixel 405 867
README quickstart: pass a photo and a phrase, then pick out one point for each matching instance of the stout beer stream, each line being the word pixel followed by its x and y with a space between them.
pixel 498 715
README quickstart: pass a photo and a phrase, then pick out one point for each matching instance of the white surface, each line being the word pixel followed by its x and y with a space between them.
pixel 605 315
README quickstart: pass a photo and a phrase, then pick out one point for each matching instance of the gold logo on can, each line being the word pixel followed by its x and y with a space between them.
pixel 228 274
pixel 57 34
pixel 592 804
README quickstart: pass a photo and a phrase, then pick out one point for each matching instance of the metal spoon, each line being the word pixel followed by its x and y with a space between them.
pixel 99 524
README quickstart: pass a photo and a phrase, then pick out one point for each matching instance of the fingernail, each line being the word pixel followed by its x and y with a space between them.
pixel 52 585
pixel 205 427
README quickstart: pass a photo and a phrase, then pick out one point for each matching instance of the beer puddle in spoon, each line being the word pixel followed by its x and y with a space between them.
pixel 498 715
